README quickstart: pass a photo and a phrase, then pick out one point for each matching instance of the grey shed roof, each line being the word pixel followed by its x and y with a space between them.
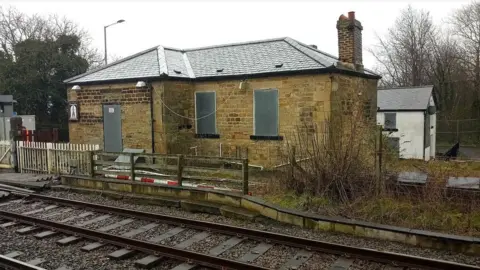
pixel 256 57
pixel 408 98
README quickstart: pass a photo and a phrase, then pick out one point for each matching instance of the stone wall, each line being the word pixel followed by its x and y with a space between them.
pixel 305 102
pixel 135 106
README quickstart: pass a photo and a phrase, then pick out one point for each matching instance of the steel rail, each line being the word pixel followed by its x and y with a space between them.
pixel 308 244
pixel 130 243
pixel 10 263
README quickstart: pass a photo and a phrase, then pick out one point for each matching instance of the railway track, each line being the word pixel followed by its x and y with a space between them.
pixel 191 243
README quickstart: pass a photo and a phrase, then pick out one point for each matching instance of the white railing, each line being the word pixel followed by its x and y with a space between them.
pixel 5 148
pixel 54 158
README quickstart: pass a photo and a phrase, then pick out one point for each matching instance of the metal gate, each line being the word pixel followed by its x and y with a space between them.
pixel 112 128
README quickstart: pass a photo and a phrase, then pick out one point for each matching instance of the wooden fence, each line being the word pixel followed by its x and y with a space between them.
pixel 143 166
pixel 54 158
pixel 89 160
pixel 5 149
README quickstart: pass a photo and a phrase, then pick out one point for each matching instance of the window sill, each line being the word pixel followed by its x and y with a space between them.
pixel 266 138
pixel 390 129
pixel 207 136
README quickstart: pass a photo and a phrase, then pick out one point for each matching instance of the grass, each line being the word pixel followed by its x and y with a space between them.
pixel 444 217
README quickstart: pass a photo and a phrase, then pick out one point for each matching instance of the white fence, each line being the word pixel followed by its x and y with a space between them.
pixel 54 158
pixel 5 161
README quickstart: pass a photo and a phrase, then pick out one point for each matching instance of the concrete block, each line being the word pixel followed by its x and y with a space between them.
pixel 238 213
pixel 252 206
pixel 200 207
pixel 13 254
pixel 121 254
pixel 92 246
pixel 309 223
pixel 344 228
pixel 148 262
pixel 68 240
pixel 290 218
pixel 224 199
pixel 28 229
pixel 45 234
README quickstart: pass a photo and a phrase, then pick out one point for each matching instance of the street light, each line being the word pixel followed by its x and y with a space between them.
pixel 105 36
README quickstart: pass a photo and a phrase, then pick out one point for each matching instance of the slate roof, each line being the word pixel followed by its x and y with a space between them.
pixel 407 98
pixel 256 57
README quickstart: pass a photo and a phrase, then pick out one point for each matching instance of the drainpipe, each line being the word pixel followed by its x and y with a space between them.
pixel 152 120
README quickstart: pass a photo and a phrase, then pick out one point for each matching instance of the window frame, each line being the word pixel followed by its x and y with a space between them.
pixel 255 136
pixel 206 135
pixel 385 120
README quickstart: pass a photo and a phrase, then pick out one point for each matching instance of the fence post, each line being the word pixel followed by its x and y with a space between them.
pixel 292 162
pixel 378 161
pixel 245 175
pixel 92 163
pixel 180 170
pixel 132 166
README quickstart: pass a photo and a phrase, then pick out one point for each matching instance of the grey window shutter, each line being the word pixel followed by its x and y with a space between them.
pixel 266 112
pixel 390 120
pixel 205 112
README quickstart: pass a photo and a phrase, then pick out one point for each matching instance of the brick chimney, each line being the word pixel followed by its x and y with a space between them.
pixel 350 42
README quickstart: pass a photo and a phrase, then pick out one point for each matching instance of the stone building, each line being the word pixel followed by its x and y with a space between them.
pixel 215 99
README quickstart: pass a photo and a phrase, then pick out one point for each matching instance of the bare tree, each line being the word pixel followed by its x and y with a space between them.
pixel 403 54
pixel 16 27
pixel 466 26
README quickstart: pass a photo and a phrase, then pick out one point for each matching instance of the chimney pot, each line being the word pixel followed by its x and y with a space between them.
pixel 351 15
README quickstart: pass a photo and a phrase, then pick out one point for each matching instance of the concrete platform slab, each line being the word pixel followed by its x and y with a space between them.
pixel 200 207
pixel 238 213
pixel 148 262
pixel 121 254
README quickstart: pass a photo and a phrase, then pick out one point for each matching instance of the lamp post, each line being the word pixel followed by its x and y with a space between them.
pixel 105 36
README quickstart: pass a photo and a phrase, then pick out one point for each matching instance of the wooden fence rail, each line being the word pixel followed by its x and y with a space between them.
pixel 141 166
pixel 54 158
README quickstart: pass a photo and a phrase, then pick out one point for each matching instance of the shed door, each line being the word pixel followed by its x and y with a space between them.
pixel 394 144
pixel 112 128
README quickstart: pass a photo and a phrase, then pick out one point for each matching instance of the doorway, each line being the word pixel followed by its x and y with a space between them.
pixel 112 128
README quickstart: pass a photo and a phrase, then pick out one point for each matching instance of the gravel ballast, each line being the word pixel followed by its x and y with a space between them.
pixel 273 226
pixel 273 258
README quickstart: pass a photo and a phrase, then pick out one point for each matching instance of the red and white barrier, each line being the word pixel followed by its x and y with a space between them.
pixel 165 181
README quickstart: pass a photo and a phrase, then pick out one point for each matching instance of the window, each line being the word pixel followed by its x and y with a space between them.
pixel 427 130
pixel 265 111
pixel 205 112
pixel 390 120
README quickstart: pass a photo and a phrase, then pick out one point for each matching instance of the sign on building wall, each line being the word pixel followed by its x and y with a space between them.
pixel 73 111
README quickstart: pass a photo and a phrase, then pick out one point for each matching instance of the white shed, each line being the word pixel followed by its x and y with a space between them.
pixel 408 116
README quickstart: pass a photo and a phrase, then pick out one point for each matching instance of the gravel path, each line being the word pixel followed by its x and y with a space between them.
pixel 319 262
pixel 239 250
pixel 272 226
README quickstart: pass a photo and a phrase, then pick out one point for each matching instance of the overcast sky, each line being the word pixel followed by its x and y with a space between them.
pixel 189 24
